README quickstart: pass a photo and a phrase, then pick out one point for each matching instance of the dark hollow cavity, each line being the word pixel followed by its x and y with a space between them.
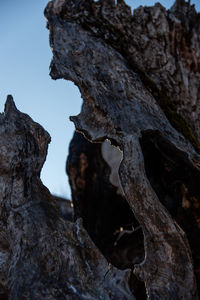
pixel 106 214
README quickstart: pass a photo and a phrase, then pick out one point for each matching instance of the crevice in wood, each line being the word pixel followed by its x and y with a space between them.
pixel 121 103
pixel 106 214
pixel 173 178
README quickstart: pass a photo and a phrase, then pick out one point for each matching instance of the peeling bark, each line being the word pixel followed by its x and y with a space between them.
pixel 139 78
pixel 42 255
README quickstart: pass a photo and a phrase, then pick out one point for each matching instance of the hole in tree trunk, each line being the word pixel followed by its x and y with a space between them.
pixel 98 200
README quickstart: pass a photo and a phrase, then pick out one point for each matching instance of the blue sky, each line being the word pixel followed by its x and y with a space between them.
pixel 24 72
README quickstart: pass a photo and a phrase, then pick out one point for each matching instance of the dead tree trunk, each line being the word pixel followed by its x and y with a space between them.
pixel 139 78
pixel 42 255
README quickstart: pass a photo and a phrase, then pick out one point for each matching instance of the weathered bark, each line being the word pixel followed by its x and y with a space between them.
pixel 42 255
pixel 139 78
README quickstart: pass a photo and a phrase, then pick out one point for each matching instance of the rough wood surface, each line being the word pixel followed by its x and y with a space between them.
pixel 139 78
pixel 42 255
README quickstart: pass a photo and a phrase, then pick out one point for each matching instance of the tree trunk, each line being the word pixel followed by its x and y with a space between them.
pixel 139 78
pixel 136 229
pixel 42 254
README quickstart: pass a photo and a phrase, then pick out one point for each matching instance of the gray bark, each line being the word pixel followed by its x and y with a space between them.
pixel 42 254
pixel 139 79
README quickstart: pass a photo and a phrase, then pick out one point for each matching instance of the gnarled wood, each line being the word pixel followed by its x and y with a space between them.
pixel 129 69
pixel 42 255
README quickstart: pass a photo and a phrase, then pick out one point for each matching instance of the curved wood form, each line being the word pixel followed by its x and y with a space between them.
pixel 42 255
pixel 140 88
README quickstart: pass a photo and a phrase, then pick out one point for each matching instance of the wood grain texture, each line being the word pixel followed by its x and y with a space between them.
pixel 42 254
pixel 138 86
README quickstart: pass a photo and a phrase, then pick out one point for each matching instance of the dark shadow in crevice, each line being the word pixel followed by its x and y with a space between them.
pixel 177 184
pixel 106 214
pixel 3 295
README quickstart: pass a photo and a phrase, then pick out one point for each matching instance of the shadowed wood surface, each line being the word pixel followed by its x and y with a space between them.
pixel 139 78
pixel 134 232
pixel 42 254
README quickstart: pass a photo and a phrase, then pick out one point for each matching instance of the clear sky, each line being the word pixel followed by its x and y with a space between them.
pixel 24 72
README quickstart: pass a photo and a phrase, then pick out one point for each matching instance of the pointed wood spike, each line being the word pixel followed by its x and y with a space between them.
pixel 10 105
